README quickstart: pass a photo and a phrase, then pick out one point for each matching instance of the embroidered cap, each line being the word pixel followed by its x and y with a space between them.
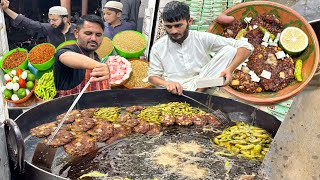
pixel 114 4
pixel 58 10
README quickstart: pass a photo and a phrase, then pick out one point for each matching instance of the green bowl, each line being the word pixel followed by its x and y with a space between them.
pixel 128 55
pixel 46 65
pixel 67 43
pixel 23 65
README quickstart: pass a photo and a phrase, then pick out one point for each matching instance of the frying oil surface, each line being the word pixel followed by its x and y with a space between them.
pixel 177 153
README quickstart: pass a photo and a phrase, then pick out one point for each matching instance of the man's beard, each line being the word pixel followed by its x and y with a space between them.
pixel 184 36
pixel 60 27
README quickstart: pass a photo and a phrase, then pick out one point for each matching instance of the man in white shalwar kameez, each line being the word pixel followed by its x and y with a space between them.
pixel 178 59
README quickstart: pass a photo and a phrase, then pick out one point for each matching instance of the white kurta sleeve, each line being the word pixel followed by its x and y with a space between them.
pixel 216 42
pixel 155 64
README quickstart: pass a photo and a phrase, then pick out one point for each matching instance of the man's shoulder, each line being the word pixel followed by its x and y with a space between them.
pixel 200 33
pixel 73 48
pixel 161 41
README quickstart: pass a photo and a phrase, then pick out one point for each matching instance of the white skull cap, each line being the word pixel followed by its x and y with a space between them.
pixel 58 10
pixel 114 4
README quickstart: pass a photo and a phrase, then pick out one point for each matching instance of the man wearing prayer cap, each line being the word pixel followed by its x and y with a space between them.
pixel 57 30
pixel 112 12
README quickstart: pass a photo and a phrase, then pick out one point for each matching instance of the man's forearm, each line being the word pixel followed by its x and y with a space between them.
pixel 11 13
pixel 77 61
pixel 157 81
pixel 241 55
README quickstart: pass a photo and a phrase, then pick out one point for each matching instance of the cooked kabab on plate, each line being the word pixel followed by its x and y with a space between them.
pixel 43 130
pixel 82 124
pixel 132 109
pixel 155 129
pixel 88 112
pixel 71 117
pixel 62 138
pixel 184 120
pixel 81 145
pixel 142 127
pixel 101 131
pixel 268 68
pixel 168 120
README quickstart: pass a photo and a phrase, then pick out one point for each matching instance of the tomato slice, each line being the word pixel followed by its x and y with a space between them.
pixel 22 83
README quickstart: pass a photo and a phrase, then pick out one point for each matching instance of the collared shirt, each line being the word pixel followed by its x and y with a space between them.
pixel 54 36
pixel 181 62
pixel 111 31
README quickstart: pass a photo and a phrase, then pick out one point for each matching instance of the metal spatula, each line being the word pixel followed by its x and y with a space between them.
pixel 44 154
pixel 222 117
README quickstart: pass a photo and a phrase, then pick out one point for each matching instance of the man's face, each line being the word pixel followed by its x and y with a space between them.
pixel 56 21
pixel 110 16
pixel 177 31
pixel 90 36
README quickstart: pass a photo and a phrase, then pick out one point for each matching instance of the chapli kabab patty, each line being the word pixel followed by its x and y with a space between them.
pixel 119 131
pixel 101 131
pixel 82 145
pixel 43 130
pixel 82 124
pixel 88 112
pixel 62 138
pixel 71 117
pixel 168 120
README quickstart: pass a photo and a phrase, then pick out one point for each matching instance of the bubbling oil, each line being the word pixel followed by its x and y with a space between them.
pixel 177 153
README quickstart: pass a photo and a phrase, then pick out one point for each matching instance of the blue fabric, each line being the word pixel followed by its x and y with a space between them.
pixel 111 31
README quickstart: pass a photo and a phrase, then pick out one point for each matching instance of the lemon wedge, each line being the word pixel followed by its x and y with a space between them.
pixel 293 40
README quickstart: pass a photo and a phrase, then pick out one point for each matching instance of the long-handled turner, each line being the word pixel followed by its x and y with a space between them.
pixel 44 154
pixel 222 117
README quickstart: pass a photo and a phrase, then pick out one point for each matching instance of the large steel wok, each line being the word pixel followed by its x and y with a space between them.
pixel 48 111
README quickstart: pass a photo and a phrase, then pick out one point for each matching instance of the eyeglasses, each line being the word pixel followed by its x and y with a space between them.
pixel 52 20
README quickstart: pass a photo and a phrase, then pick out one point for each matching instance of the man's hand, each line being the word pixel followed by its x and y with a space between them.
pixel 5 4
pixel 174 87
pixel 100 72
pixel 228 76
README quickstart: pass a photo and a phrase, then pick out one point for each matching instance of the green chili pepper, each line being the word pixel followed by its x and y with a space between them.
pixel 264 30
pixel 298 70
pixel 241 33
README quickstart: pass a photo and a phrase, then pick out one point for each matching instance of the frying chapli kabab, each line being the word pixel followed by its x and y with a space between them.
pixel 81 145
pixel 43 130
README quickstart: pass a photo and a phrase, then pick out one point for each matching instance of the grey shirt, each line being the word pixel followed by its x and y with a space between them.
pixel 54 36
pixel 130 11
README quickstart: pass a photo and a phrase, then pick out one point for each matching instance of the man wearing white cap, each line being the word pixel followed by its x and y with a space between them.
pixel 112 12
pixel 58 30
